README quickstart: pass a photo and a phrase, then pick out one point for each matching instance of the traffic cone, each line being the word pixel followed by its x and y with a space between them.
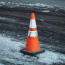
pixel 32 43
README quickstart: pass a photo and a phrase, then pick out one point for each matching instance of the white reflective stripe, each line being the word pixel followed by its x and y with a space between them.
pixel 32 24
pixel 32 33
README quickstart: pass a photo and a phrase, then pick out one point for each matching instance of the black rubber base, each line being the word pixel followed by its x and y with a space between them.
pixel 31 53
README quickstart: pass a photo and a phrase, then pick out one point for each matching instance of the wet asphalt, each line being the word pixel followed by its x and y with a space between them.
pixel 13 35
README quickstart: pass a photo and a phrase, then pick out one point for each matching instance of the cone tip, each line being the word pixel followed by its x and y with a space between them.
pixel 32 15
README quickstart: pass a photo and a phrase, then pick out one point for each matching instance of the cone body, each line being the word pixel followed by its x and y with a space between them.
pixel 32 43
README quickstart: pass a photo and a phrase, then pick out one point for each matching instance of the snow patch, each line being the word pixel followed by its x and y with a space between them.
pixel 12 4
pixel 50 57
pixel 1 64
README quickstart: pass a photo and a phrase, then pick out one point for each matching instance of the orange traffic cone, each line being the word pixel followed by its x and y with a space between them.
pixel 32 44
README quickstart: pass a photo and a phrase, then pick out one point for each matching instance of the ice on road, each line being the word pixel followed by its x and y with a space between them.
pixel 10 52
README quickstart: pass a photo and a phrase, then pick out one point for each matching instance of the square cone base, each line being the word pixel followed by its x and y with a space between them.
pixel 31 53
